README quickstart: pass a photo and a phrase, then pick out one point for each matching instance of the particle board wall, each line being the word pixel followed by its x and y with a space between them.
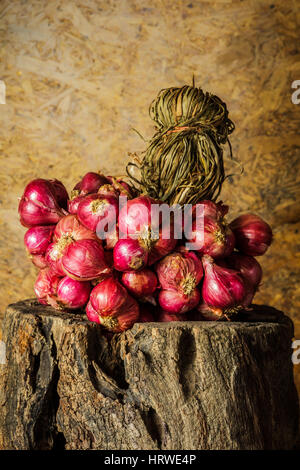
pixel 80 75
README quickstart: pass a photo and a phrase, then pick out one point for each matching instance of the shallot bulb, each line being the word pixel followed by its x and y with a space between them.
pixel 90 183
pixel 222 288
pixel 74 203
pixel 61 193
pixel 174 301
pixel 53 257
pixel 180 271
pixel 38 238
pixel 135 221
pixel 91 313
pixel 142 284
pixel 167 317
pixel 205 312
pixel 253 235
pixel 39 261
pixel 211 237
pixel 112 238
pixel 45 286
pixel 117 311
pixel 38 205
pixel 95 208
pixel 123 188
pixel 128 315
pixel 84 260
pixel 249 268
pixel 70 228
pixel 129 255
pixel 71 294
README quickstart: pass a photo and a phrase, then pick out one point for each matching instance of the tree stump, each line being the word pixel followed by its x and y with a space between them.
pixel 179 385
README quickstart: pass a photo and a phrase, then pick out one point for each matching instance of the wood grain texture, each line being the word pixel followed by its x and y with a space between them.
pixel 180 385
pixel 79 75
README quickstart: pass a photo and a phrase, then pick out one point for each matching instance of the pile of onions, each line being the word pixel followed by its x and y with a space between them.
pixel 113 255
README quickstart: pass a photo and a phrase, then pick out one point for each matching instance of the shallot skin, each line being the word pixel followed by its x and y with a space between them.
pixel 38 238
pixel 140 283
pixel 91 313
pixel 253 235
pixel 222 287
pixel 39 205
pixel 73 294
pixel 129 255
pixel 175 302
pixel 84 260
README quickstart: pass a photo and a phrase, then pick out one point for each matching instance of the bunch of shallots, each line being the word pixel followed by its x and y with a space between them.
pixel 111 252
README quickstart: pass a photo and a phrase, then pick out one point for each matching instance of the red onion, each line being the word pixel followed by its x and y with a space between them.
pixel 211 237
pixel 70 228
pixel 60 192
pixel 38 238
pixel 135 221
pixel 141 284
pixel 249 268
pixel 84 260
pixel 253 235
pixel 167 317
pixel 174 301
pixel 128 315
pixel 108 297
pixel 123 188
pixel 38 205
pixel 74 203
pixel 53 257
pixel 222 287
pixel 90 183
pixel 45 285
pixel 91 313
pixel 116 309
pixel 129 255
pixel 161 247
pixel 71 294
pixel 39 261
pixel 108 190
pixel 206 313
pixel 135 217
pixel 94 208
pixel 180 271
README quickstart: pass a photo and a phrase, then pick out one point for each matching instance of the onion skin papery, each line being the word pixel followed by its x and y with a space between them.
pixel 90 183
pixel 70 227
pixel 175 302
pixel 129 255
pixel 222 287
pixel 253 235
pixel 180 271
pixel 38 238
pixel 211 237
pixel 45 285
pixel 141 283
pixel 204 312
pixel 61 194
pixel 71 294
pixel 84 260
pixel 39 261
pixel 126 318
pixel 95 208
pixel 91 313
pixel 117 310
pixel 38 205
pixel 248 266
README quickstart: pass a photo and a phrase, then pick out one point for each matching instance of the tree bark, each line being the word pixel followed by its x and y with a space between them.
pixel 179 385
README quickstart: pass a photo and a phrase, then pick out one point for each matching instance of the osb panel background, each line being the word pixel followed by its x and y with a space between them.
pixel 81 74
